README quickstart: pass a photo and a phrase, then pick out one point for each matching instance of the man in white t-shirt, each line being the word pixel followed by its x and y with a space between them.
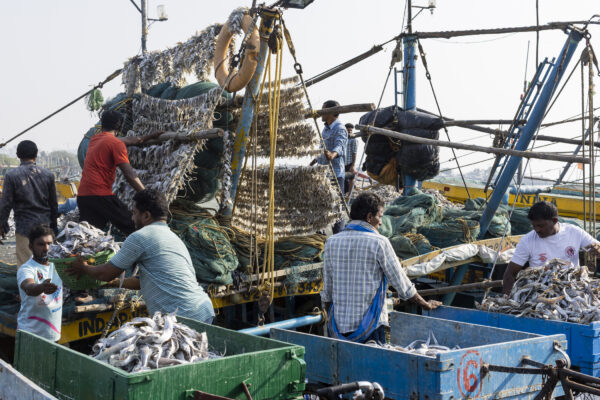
pixel 549 239
pixel 40 288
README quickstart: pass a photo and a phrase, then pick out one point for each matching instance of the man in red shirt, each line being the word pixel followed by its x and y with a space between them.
pixel 96 201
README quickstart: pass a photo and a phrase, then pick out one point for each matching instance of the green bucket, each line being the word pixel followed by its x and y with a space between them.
pixel 85 281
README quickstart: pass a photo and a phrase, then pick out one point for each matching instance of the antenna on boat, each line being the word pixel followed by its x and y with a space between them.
pixel 143 9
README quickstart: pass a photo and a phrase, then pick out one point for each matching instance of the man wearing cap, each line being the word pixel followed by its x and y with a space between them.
pixel 30 191
pixel 335 137
pixel 351 151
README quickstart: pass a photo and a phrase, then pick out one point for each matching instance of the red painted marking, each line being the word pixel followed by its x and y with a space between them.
pixel 45 321
pixel 470 382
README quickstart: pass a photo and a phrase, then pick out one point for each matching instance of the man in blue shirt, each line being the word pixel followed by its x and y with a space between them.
pixel 167 277
pixel 335 137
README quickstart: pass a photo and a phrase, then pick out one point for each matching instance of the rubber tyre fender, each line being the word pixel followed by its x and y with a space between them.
pixel 242 77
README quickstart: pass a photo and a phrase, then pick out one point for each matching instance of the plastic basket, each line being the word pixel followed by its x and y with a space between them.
pixel 85 281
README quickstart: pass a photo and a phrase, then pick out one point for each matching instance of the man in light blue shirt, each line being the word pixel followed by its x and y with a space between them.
pixel 335 137
pixel 167 277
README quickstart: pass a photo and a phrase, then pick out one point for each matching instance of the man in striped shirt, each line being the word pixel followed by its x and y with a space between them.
pixel 357 265
pixel 167 277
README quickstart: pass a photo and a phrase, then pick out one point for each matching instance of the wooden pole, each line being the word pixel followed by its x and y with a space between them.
pixel 363 107
pixel 459 122
pixel 182 137
pixel 462 146
pixel 460 288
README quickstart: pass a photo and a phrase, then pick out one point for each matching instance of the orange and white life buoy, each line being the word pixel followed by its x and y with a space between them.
pixel 241 78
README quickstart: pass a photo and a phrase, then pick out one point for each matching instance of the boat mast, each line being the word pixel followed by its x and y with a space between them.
pixel 409 99
pixel 144 12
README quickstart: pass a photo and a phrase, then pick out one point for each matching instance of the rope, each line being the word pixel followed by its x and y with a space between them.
pixel 437 104
pixel 98 86
pixel 372 124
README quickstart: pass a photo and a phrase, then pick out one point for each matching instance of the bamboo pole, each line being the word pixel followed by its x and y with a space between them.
pixel 363 107
pixel 462 146
pixel 459 288
pixel 461 122
pixel 182 137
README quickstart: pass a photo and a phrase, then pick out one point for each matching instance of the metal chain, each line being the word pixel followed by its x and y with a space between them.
pixel 298 69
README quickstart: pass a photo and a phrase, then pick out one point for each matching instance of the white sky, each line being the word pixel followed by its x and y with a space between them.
pixel 55 51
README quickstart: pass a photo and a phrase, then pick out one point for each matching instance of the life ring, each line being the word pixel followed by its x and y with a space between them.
pixel 242 77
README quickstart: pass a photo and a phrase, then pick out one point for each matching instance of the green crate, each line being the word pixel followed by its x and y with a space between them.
pixel 85 281
pixel 271 369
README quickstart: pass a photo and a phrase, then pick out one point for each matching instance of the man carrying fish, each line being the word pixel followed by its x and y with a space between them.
pixel 549 239
pixel 96 201
pixel 167 277
pixel 40 288
pixel 357 264
pixel 30 191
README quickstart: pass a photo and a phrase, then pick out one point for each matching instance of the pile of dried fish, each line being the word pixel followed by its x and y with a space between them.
pixel 81 238
pixel 11 225
pixel 388 193
pixel 441 199
pixel 429 347
pixel 165 166
pixel 68 217
pixel 296 136
pixel 555 291
pixel 148 343
pixel 305 201
pixel 192 56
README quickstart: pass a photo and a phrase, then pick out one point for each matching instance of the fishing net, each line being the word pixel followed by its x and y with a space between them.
pixel 208 243
pixel 408 213
pixel 438 223
pixel 450 232
pixel 289 251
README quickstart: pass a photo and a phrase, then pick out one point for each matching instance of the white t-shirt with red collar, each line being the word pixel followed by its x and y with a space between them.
pixel 564 245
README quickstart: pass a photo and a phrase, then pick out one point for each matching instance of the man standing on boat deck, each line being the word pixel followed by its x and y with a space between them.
pixel 549 239
pixel 40 288
pixel 336 140
pixel 30 191
pixel 351 151
pixel 167 277
pixel 95 199
pixel 357 265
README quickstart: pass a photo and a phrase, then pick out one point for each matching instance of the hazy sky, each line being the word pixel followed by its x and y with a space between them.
pixel 55 51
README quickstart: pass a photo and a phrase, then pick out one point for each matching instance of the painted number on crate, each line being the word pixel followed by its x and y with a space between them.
pixel 467 377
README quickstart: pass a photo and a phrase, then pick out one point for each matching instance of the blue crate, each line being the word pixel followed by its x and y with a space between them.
pixel 583 340
pixel 448 376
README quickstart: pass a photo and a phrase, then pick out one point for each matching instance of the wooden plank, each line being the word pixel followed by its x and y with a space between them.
pixel 245 296
pixel 16 386
pixel 363 107
pixel 178 136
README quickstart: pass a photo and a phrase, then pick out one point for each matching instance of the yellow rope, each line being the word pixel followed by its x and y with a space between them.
pixel 268 270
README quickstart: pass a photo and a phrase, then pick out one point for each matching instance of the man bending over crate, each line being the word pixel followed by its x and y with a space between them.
pixel 549 239
pixel 167 277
